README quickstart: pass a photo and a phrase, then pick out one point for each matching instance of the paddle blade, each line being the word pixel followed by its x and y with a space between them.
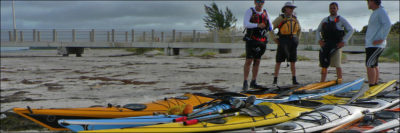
pixel 250 100
pixel 360 93
pixel 237 103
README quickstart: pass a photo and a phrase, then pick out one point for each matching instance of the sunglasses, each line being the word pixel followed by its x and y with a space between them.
pixel 260 2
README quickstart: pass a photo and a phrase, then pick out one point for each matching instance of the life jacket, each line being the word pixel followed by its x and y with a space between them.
pixel 289 26
pixel 330 32
pixel 258 33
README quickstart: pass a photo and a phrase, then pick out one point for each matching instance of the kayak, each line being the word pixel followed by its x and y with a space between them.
pixel 381 121
pixel 77 125
pixel 328 116
pixel 280 113
pixel 344 97
pixel 340 88
pixel 270 92
pixel 98 124
pixel 49 117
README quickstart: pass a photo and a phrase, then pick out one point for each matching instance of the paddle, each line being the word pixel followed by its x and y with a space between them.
pixel 287 92
pixel 360 93
pixel 236 104
pixel 224 99
pixel 253 110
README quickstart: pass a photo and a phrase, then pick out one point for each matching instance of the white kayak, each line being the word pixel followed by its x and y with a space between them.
pixel 328 116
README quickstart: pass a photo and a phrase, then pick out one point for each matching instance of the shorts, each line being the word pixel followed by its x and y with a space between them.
pixel 255 49
pixel 329 55
pixel 287 50
pixel 372 56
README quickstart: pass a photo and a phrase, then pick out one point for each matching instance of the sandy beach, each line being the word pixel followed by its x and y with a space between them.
pixel 42 79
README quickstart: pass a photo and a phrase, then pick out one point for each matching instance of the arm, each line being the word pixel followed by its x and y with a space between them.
pixel 298 32
pixel 318 38
pixel 246 21
pixel 349 29
pixel 275 23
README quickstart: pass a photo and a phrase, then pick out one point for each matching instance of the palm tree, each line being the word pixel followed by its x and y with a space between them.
pixel 217 19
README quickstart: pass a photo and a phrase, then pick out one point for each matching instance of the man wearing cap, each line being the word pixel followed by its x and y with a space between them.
pixel 375 39
pixel 289 34
pixel 333 39
pixel 257 25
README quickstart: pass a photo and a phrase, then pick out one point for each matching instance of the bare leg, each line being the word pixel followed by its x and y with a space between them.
pixel 339 72
pixel 293 68
pixel 256 65
pixel 277 67
pixel 324 72
pixel 246 68
pixel 371 75
pixel 376 74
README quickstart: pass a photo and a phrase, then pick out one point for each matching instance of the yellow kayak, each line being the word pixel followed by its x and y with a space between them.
pixel 372 91
pixel 281 113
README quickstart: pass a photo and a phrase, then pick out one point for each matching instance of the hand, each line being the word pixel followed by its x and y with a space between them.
pixel 321 43
pixel 340 45
pixel 262 26
pixel 276 41
pixel 377 42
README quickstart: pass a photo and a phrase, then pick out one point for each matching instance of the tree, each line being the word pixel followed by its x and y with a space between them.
pixel 364 29
pixel 217 19
pixel 395 28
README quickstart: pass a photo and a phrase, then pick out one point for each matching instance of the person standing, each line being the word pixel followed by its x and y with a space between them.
pixel 333 39
pixel 257 24
pixel 289 34
pixel 375 39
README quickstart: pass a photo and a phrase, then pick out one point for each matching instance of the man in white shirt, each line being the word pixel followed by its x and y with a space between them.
pixel 375 39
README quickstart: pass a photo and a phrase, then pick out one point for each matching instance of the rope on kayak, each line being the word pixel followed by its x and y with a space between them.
pixel 197 99
pixel 322 114
pixel 334 114
pixel 348 111
pixel 181 101
pixel 286 114
pixel 302 127
pixel 161 104
pixel 177 103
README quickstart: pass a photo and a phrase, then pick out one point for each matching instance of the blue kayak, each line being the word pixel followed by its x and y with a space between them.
pixel 341 88
pixel 77 125
pixel 98 124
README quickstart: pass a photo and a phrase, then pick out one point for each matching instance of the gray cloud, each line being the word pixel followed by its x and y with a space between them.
pixel 166 15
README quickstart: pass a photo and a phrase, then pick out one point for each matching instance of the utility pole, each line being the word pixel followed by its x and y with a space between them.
pixel 13 13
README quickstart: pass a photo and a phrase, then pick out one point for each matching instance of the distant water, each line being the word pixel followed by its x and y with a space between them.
pixel 13 49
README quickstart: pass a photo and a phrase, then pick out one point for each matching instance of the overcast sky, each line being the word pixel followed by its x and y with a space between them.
pixel 166 15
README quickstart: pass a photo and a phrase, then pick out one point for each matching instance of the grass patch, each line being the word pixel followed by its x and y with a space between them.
pixel 343 58
pixel 141 50
pixel 391 52
pixel 14 122
pixel 208 54
pixel 309 48
pixel 302 58
pixel 384 59
pixel 243 55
